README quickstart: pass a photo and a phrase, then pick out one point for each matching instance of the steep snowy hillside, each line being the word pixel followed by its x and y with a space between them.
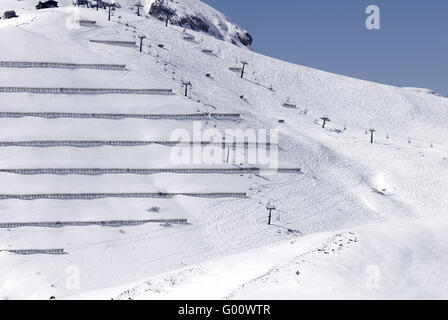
pixel 345 181
pixel 387 261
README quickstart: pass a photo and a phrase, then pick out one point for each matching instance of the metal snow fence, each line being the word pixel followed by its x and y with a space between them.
pixel 189 38
pixel 106 171
pixel 119 116
pixel 208 51
pixel 36 251
pixel 99 143
pixel 85 90
pixel 93 196
pixel 291 106
pixel 225 115
pixel 236 69
pixel 58 65
pixel 86 22
pixel 116 43
pixel 112 223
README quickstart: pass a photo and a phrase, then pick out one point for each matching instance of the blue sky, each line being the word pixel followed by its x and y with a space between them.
pixel 411 49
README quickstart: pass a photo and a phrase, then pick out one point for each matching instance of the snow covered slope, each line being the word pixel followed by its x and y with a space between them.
pixel 346 181
pixel 398 260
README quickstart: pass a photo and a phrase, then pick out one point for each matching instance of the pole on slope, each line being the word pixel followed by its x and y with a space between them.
pixel 325 120
pixel 97 4
pixel 141 42
pixel 371 135
pixel 138 5
pixel 186 84
pixel 109 14
pixel 244 66
pixel 168 16
pixel 270 209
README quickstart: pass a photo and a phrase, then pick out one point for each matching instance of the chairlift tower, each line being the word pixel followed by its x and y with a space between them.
pixel 325 120
pixel 270 208
pixel 372 131
pixel 186 84
pixel 138 5
pixel 141 42
pixel 109 14
pixel 244 66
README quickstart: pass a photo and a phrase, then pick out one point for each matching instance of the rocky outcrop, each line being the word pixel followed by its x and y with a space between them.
pixel 246 38
pixel 160 10
pixel 197 16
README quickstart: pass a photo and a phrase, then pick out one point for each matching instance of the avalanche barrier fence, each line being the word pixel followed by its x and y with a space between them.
pixel 58 65
pixel 127 143
pixel 112 223
pixel 86 22
pixel 119 116
pixel 105 171
pixel 85 90
pixel 36 251
pixel 115 43
pixel 92 196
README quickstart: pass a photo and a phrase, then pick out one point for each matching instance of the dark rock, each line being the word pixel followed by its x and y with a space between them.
pixel 194 23
pixel 246 39
pixel 164 9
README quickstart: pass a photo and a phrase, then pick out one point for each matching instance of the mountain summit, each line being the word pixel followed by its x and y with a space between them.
pixel 198 16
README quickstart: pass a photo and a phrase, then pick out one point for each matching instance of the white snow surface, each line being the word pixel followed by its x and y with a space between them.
pixel 392 194
pixel 387 261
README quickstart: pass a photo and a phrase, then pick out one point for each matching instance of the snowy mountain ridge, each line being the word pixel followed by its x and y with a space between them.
pixel 198 16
